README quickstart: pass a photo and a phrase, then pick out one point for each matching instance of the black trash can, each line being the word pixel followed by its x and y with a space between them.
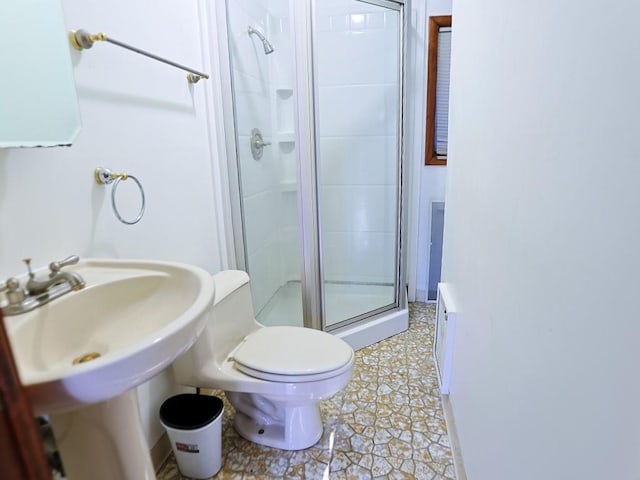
pixel 194 425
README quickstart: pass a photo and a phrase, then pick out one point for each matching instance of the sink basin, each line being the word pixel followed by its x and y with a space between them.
pixel 131 321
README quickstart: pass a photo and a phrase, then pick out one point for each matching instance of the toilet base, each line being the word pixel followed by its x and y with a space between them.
pixel 299 427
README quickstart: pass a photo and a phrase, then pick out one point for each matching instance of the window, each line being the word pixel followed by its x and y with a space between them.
pixel 439 66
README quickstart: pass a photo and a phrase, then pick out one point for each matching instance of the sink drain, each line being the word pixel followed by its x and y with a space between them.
pixel 87 357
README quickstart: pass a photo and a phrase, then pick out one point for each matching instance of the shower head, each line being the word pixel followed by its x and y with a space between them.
pixel 268 48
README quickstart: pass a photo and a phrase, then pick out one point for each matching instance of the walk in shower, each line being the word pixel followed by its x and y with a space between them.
pixel 314 137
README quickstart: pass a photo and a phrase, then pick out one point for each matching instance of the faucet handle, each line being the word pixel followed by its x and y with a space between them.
pixel 56 266
pixel 10 285
pixel 28 262
pixel 14 293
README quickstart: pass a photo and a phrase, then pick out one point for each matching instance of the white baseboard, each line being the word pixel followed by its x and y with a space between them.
pixel 160 451
pixel 458 463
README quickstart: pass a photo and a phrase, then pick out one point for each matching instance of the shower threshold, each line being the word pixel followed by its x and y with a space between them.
pixel 342 301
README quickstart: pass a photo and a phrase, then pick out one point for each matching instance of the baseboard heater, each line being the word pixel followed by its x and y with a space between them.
pixel 444 333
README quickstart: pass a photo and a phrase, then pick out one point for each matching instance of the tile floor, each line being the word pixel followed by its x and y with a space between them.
pixel 388 423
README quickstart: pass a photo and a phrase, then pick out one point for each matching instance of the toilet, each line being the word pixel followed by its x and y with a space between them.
pixel 273 376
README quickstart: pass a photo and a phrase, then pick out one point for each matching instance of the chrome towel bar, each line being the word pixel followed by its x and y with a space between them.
pixel 81 40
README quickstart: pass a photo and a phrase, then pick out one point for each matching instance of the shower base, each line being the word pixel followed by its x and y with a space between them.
pixel 342 301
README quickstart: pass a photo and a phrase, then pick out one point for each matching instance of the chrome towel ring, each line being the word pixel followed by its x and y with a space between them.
pixel 104 176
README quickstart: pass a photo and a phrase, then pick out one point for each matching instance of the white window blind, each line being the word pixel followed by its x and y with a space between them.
pixel 442 90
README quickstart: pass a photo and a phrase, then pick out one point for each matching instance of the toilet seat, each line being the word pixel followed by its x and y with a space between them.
pixel 292 354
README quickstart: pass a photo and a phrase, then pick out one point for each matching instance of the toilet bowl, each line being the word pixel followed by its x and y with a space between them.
pixel 273 376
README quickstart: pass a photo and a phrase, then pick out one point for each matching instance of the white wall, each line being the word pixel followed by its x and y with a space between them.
pixel 138 116
pixel 427 182
pixel 541 239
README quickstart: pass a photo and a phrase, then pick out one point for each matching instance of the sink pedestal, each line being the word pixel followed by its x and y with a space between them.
pixel 104 441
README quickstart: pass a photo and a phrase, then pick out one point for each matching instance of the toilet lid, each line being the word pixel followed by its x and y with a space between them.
pixel 294 352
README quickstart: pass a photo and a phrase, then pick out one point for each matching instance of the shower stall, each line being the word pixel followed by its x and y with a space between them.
pixel 314 129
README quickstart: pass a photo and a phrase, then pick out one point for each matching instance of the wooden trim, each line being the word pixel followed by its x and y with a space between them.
pixel 21 449
pixel 435 23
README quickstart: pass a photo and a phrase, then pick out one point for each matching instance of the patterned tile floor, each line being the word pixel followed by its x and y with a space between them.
pixel 388 423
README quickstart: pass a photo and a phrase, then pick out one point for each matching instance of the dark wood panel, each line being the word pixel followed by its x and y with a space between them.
pixel 21 450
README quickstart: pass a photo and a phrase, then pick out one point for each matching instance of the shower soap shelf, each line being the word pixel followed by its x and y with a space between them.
pixel 284 92
pixel 286 137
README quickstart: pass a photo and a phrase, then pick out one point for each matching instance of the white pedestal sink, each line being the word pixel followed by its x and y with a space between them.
pixel 130 322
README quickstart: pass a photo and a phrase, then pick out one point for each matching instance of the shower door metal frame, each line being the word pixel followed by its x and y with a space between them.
pixel 401 6
pixel 305 119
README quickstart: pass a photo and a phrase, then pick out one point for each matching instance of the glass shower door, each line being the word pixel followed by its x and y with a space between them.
pixel 358 84
pixel 318 217
pixel 261 60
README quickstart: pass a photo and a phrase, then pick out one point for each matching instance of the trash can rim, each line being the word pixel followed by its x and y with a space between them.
pixel 190 411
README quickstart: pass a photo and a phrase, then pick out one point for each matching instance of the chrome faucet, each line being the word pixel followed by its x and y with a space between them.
pixel 38 292
pixel 56 276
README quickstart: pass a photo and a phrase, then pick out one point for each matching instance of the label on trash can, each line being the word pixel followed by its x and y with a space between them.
pixel 188 447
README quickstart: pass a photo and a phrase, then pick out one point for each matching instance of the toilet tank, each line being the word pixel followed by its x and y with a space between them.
pixel 230 320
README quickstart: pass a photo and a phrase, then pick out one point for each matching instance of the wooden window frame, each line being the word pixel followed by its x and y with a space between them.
pixel 435 24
